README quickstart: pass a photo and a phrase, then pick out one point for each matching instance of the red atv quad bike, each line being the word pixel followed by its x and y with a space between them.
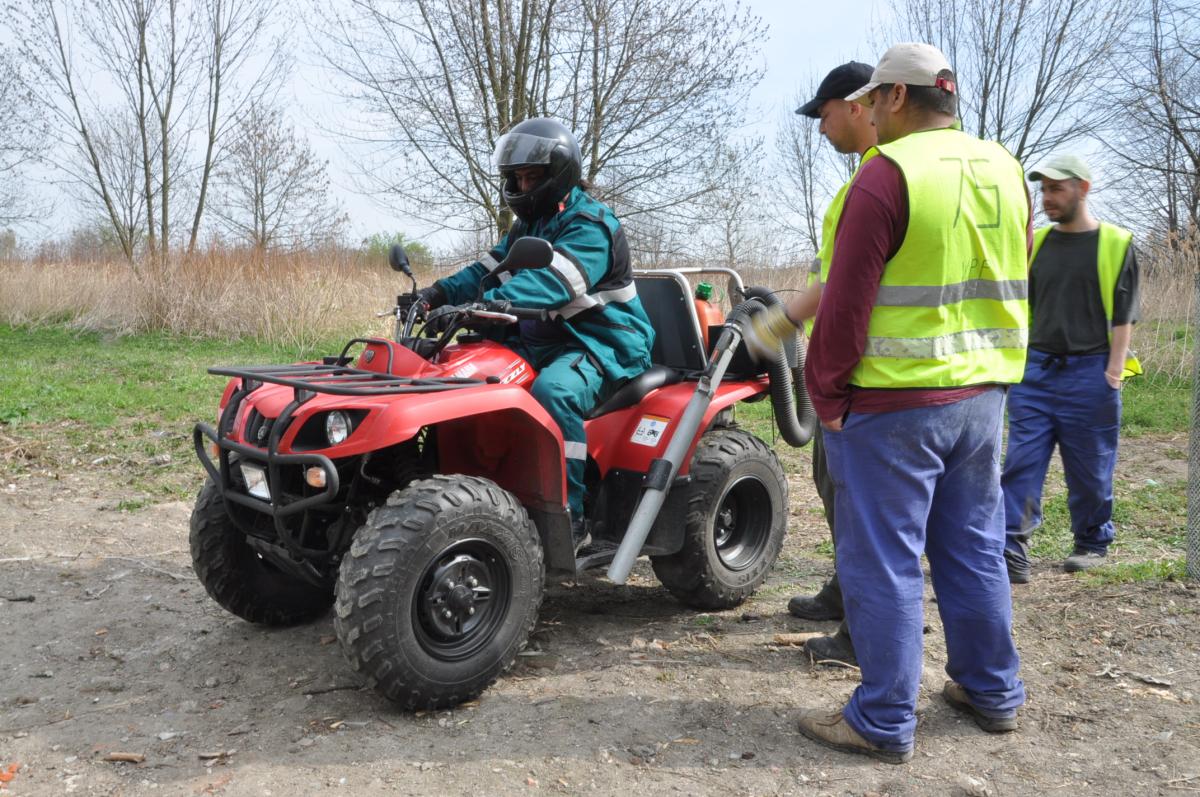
pixel 417 486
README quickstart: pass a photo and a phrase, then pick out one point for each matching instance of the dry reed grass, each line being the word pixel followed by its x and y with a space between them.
pixel 290 301
pixel 296 301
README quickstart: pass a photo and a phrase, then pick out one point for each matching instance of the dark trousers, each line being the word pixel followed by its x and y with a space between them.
pixel 831 593
pixel 912 482
pixel 1063 401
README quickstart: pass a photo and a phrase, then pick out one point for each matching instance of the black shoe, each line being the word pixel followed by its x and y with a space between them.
pixel 1083 559
pixel 1018 567
pixel 579 534
pixel 956 696
pixel 813 608
pixel 837 648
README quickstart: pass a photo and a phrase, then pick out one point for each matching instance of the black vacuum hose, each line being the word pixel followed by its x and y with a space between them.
pixel 794 413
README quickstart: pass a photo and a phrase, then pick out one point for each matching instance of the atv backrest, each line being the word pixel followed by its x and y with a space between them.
pixel 667 298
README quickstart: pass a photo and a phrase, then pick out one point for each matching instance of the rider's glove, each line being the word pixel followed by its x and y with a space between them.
pixel 432 297
pixel 765 331
pixel 439 320
pixel 498 305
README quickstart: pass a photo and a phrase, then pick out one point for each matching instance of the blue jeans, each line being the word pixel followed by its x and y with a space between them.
pixel 913 482
pixel 1064 401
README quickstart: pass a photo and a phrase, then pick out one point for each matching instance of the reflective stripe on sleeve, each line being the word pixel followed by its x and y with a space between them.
pixel 489 262
pixel 589 300
pixel 939 295
pixel 571 274
pixel 575 450
pixel 944 346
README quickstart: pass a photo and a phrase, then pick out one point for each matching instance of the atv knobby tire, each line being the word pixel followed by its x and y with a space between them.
pixel 240 580
pixel 440 591
pixel 736 516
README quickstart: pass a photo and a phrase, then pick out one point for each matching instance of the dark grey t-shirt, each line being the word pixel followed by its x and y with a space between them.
pixel 1064 295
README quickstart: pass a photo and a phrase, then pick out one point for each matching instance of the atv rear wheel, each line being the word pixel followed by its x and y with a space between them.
pixel 736 516
pixel 440 591
pixel 240 580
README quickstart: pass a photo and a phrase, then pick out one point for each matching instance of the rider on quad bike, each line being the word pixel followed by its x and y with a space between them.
pixel 598 335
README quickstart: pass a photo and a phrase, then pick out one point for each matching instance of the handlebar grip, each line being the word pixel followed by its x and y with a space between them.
pixel 530 314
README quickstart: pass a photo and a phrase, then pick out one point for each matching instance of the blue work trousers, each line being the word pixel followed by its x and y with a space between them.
pixel 923 480
pixel 568 386
pixel 1063 400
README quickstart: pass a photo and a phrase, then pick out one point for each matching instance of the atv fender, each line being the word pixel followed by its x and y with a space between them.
pixel 632 438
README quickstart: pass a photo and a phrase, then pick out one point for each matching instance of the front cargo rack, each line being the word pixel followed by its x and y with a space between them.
pixel 341 380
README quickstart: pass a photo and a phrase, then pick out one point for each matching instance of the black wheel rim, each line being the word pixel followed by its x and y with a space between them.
pixel 742 524
pixel 461 600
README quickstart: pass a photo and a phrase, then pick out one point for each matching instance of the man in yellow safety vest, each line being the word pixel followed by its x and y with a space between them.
pixel 848 128
pixel 1083 294
pixel 922 324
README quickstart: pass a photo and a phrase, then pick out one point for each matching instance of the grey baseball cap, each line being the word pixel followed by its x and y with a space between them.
pixel 913 64
pixel 1062 167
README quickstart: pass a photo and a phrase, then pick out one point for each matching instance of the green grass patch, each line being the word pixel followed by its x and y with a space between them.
pixel 1153 405
pixel 1173 569
pixel 83 399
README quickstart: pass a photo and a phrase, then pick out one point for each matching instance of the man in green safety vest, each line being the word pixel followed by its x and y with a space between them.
pixel 922 324
pixel 848 128
pixel 1083 294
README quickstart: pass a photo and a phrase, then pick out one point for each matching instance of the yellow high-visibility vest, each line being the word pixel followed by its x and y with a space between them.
pixel 829 227
pixel 952 308
pixel 1110 257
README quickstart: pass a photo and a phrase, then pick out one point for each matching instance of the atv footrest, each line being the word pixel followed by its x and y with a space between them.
pixel 596 554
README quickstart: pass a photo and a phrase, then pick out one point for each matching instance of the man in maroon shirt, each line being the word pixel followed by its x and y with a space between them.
pixel 920 324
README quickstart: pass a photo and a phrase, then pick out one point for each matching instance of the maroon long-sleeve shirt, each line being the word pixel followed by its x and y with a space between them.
pixel 870 231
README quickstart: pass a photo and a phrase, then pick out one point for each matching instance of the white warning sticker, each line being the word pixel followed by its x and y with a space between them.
pixel 650 430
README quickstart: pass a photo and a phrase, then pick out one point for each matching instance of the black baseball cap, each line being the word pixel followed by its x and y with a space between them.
pixel 838 84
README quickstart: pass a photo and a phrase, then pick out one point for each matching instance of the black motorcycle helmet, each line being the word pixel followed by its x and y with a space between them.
pixel 538 142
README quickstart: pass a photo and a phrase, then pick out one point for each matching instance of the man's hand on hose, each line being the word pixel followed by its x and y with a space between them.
pixel 765 331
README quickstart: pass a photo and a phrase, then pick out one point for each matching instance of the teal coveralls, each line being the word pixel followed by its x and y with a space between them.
pixel 599 336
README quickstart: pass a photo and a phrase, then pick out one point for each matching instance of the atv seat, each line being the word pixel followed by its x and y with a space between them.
pixel 636 389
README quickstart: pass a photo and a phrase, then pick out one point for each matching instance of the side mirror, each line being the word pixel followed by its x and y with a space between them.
pixel 398 260
pixel 527 252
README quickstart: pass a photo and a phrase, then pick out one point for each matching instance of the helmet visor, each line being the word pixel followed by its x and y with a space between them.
pixel 522 149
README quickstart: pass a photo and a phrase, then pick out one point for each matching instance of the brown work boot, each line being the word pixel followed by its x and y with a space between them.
pixel 956 696
pixel 832 730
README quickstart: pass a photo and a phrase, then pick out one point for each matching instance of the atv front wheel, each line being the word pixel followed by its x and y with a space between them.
pixel 736 516
pixel 240 580
pixel 440 591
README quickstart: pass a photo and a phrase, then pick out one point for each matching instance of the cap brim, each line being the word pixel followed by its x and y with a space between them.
pixel 858 95
pixel 812 108
pixel 1047 172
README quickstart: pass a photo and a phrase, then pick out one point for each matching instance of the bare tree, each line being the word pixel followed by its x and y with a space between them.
pixel 1027 69
pixel 643 83
pixel 1156 109
pixel 273 192
pixel 22 139
pixel 810 171
pixel 172 63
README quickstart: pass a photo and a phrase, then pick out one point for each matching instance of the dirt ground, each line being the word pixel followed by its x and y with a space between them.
pixel 623 690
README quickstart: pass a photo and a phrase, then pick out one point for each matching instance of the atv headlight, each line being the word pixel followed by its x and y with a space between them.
pixel 337 427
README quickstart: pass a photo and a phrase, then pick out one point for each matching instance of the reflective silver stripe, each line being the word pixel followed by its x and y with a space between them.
pixel 575 450
pixel 505 276
pixel 588 300
pixel 946 345
pixel 815 266
pixel 939 295
pixel 489 262
pixel 571 273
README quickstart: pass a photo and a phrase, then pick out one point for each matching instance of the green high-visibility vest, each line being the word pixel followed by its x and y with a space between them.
pixel 952 308
pixel 1110 257
pixel 829 227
